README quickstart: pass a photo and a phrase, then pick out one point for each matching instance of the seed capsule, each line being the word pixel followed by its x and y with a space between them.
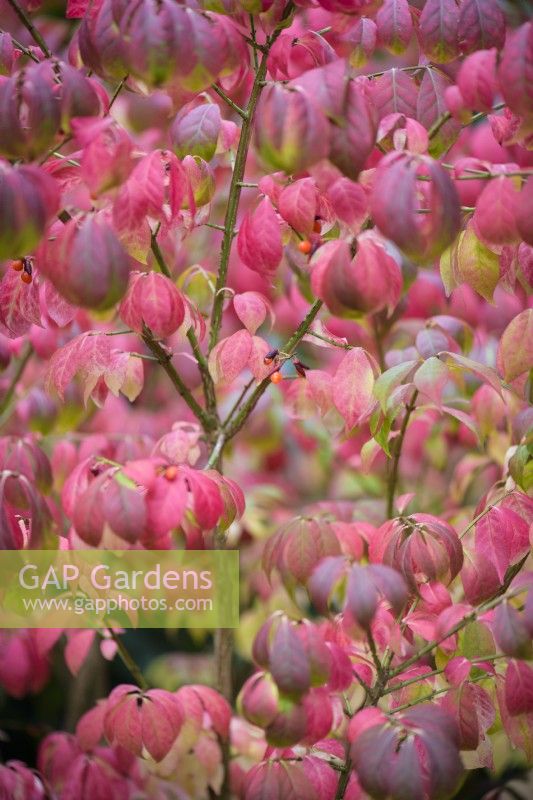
pixel 270 357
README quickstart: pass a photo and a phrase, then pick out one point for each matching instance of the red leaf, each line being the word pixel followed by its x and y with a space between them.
pixel 259 239
pixel 195 131
pixel 354 137
pixel 349 203
pixel 291 132
pixel 477 80
pixel 438 31
pixel 481 25
pixel 76 8
pixel 288 662
pixel 515 71
pixel 395 25
pixel 501 537
pixel 519 688
pixel 396 199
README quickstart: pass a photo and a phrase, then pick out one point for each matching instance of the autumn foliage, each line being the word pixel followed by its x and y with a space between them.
pixel 266 285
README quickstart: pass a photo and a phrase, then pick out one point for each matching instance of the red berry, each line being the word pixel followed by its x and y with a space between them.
pixel 17 265
pixel 26 277
pixel 276 377
pixel 317 227
pixel 305 247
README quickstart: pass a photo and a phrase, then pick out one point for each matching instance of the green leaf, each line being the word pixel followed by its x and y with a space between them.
pixel 469 261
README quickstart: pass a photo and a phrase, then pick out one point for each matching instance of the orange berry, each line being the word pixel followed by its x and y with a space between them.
pixel 276 377
pixel 171 473
pixel 26 277
pixel 305 247
pixel 317 227
pixel 17 265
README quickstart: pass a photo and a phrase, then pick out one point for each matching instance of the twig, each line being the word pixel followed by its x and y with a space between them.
pixel 158 255
pixel 238 401
pixel 466 620
pixel 30 27
pixel 165 359
pixel 216 452
pixel 117 91
pixel 207 381
pixel 393 476
pixel 17 375
pixel 236 179
pixel 486 510
pixel 235 426
pixel 343 345
pixel 129 661
pixel 20 46
pixel 221 93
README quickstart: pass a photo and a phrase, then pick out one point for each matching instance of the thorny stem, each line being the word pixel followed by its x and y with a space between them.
pixel 393 476
pixel 236 180
pixel 30 27
pixel 17 375
pixel 128 660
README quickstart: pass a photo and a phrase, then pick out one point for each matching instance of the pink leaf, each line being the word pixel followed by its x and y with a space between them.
pixel 515 350
pixel 78 645
pixel 57 308
pixel 297 205
pixel 349 203
pixel 153 300
pixel 252 309
pixel 230 356
pixel 259 239
pixel 352 387
pixel 19 304
pixel 431 378
pixel 395 92
pixel 494 217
